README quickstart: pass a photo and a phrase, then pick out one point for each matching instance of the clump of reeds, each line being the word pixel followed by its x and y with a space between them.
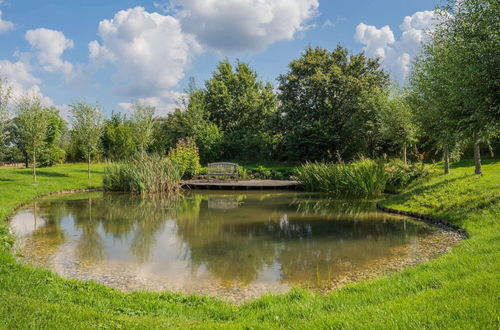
pixel 363 178
pixel 144 174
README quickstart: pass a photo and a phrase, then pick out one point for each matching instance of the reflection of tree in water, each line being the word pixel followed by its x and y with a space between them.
pixel 303 233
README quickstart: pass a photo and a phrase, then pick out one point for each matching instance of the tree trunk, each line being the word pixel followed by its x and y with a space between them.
pixel 446 159
pixel 477 158
pixel 89 168
pixel 404 153
pixel 34 166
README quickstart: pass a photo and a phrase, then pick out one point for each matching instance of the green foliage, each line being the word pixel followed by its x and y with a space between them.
pixel 33 120
pixel 5 96
pixel 185 156
pixel 323 104
pixel 143 126
pixel 455 81
pixel 191 120
pixel 363 178
pixel 144 174
pixel 52 152
pixel 400 175
pixel 118 139
pixel 87 129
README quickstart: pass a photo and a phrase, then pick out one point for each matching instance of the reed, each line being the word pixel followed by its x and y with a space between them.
pixel 364 178
pixel 144 174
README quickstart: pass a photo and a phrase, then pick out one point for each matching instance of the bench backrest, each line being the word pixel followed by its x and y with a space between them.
pixel 222 168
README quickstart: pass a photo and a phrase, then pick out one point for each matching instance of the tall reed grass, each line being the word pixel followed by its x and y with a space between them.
pixel 364 178
pixel 144 174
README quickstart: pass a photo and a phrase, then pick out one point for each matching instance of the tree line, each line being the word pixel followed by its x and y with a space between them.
pixel 329 106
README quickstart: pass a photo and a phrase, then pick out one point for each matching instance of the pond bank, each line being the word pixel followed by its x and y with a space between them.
pixel 457 290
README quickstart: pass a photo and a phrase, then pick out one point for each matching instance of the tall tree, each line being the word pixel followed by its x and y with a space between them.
pixel 462 62
pixel 397 123
pixel 87 129
pixel 51 151
pixel 322 103
pixel 5 96
pixel 240 105
pixel 143 125
pixel 191 119
pixel 33 123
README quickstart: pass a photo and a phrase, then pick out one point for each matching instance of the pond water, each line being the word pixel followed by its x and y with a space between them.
pixel 235 246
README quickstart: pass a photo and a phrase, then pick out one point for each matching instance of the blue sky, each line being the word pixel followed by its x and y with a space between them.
pixel 148 53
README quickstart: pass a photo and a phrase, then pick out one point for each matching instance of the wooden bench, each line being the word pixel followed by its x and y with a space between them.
pixel 223 170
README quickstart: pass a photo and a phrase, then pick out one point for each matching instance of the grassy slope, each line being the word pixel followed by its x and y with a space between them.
pixel 460 289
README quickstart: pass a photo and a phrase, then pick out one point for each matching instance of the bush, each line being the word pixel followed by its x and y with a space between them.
pixel 145 174
pixel 399 174
pixel 185 156
pixel 364 178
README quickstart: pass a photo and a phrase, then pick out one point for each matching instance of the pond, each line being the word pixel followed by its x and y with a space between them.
pixel 233 245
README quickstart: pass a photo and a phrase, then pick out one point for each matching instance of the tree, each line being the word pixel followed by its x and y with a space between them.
pixel 33 124
pixel 143 124
pixel 51 152
pixel 118 138
pixel 396 122
pixel 5 96
pixel 191 119
pixel 241 106
pixel 461 62
pixel 87 129
pixel 323 110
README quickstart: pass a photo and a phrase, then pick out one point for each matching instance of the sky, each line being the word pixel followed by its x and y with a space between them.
pixel 115 53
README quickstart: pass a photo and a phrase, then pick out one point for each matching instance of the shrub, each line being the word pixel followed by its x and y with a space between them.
pixel 364 178
pixel 145 174
pixel 399 174
pixel 185 156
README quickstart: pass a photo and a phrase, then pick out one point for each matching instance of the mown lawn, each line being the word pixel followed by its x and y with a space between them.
pixel 458 290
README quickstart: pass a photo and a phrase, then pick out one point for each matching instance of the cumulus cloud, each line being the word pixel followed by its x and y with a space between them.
pixel 396 55
pixel 49 46
pixel 22 81
pixel 5 26
pixel 163 104
pixel 149 51
pixel 243 25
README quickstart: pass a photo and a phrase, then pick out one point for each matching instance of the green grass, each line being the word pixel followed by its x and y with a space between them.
pixel 458 290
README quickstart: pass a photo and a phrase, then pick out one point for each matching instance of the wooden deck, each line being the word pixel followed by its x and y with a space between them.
pixel 241 184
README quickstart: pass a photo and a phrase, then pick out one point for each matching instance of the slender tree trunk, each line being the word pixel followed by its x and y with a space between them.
pixel 405 160
pixel 89 167
pixel 34 166
pixel 446 159
pixel 477 157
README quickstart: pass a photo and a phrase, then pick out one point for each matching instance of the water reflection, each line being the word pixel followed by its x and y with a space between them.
pixel 205 242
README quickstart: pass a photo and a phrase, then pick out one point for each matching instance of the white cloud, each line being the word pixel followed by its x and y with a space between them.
pixel 19 77
pixel 149 51
pixel 163 104
pixel 242 25
pixel 50 45
pixel 396 55
pixel 5 26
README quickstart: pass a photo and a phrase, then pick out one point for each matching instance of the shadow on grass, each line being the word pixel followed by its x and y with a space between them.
pixel 48 174
pixel 470 163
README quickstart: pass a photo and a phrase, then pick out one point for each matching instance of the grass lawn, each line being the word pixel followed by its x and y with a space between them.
pixel 458 290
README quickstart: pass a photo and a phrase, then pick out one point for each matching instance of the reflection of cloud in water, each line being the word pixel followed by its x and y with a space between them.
pixel 213 242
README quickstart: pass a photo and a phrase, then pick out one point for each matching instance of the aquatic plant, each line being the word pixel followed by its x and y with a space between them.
pixel 364 178
pixel 145 174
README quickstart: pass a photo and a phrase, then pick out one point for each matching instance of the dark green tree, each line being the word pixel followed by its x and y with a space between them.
pixel 241 106
pixel 323 110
